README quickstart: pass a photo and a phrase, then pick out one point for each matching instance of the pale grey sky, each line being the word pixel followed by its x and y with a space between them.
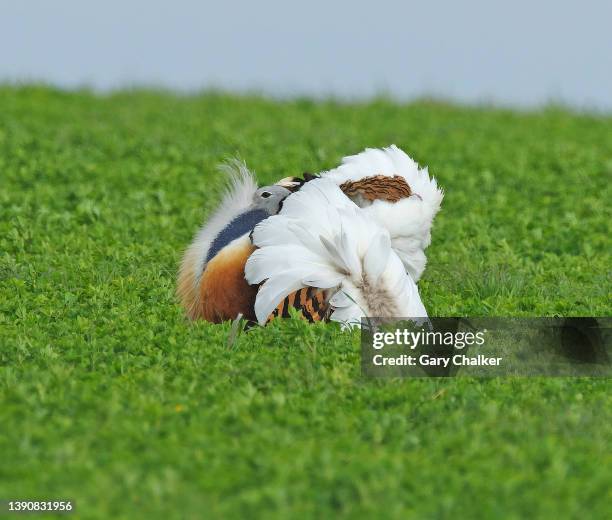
pixel 519 52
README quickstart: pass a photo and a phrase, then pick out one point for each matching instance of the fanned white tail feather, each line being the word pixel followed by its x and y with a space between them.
pixel 408 221
pixel 322 239
pixel 237 198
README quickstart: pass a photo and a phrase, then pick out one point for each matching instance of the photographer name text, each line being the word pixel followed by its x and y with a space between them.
pixel 426 360
pixel 412 340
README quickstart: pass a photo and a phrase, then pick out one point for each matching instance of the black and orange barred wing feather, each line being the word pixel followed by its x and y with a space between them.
pixel 309 301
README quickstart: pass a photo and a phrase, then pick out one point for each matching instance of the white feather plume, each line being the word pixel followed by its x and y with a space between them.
pixel 408 221
pixel 322 239
pixel 237 198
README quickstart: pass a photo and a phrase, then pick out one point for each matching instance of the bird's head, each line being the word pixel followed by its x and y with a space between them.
pixel 269 198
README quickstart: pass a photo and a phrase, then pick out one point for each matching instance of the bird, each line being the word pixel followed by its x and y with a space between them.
pixel 382 189
pixel 322 241
pixel 211 283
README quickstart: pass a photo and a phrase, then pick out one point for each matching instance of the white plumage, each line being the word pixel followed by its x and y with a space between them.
pixel 347 244
pixel 322 239
pixel 408 220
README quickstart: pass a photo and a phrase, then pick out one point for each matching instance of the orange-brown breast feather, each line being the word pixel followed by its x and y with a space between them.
pixel 224 292
pixel 377 187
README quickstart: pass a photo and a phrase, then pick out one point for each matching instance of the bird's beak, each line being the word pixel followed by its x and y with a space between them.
pixel 288 182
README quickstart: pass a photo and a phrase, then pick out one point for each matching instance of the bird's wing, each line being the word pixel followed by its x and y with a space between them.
pixel 397 194
pixel 321 239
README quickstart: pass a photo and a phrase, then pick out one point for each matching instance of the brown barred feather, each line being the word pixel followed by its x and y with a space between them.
pixel 376 187
pixel 309 301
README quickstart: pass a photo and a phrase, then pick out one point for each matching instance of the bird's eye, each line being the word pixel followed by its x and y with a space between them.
pixel 266 194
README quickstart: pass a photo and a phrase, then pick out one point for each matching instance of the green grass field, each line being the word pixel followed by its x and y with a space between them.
pixel 110 398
